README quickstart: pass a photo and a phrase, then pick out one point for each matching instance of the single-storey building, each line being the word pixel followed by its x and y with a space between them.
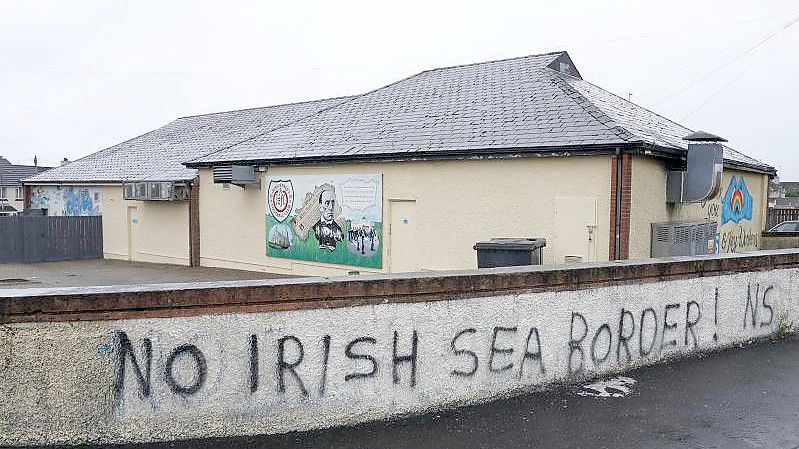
pixel 147 198
pixel 411 175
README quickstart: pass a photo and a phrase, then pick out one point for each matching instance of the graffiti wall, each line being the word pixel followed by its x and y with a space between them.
pixel 252 373
pixel 333 219
pixel 70 201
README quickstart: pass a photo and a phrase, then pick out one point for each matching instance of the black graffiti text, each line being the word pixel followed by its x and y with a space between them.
pixel 673 325
pixel 759 312
pixel 502 356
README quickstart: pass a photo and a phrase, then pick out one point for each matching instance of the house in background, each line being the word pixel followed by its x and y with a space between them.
pixel 146 197
pixel 784 195
pixel 11 190
pixel 410 176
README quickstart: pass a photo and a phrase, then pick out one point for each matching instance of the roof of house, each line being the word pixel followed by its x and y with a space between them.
pixel 12 175
pixel 158 154
pixel 789 185
pixel 535 103
pixel 7 208
pixel 786 202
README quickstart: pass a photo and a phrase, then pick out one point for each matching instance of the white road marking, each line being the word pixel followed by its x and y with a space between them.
pixel 616 387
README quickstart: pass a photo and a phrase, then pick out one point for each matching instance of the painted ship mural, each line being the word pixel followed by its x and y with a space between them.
pixel 279 237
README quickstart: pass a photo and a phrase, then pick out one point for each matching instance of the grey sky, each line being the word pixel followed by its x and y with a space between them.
pixel 76 77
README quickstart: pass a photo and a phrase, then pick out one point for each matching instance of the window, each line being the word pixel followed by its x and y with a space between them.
pixel 18 195
pixel 3 193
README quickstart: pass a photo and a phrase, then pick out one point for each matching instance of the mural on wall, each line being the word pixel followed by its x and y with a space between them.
pixel 736 230
pixel 737 202
pixel 67 201
pixel 333 219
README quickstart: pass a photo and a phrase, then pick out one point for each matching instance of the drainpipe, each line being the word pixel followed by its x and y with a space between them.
pixel 194 222
pixel 617 225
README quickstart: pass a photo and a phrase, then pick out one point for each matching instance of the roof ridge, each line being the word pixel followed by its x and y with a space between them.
pixel 111 150
pixel 662 117
pixel 266 107
pixel 352 98
pixel 637 105
pixel 279 127
pixel 494 60
pixel 594 111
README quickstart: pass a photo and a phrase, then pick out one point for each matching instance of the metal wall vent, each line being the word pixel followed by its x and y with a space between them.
pixel 155 191
pixel 683 238
pixel 240 175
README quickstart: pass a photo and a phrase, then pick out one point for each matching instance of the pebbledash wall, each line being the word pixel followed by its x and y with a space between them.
pixel 160 362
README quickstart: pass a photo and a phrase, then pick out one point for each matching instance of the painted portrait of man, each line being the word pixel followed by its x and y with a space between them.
pixel 327 231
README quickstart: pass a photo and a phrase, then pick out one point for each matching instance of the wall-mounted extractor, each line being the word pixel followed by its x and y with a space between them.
pixel 702 178
pixel 239 175
pixel 155 191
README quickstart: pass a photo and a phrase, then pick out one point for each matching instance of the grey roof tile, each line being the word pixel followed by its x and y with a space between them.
pixel 12 175
pixel 644 124
pixel 514 103
pixel 158 154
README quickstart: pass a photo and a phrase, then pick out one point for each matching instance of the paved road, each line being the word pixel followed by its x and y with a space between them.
pixel 740 398
pixel 79 273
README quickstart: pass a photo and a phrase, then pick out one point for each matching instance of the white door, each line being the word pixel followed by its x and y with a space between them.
pixel 133 224
pixel 575 229
pixel 402 251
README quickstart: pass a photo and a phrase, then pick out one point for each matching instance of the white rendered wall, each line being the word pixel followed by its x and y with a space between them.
pixel 62 381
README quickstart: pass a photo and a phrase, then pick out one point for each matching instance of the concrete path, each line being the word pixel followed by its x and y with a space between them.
pixel 81 273
pixel 740 398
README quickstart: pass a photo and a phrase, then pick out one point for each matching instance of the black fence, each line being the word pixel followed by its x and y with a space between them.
pixel 49 239
pixel 778 215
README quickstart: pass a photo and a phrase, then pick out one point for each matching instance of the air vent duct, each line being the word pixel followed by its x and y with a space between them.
pixel 240 175
pixel 156 191
pixel 702 179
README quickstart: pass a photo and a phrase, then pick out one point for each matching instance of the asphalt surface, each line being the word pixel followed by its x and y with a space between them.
pixel 81 273
pixel 738 398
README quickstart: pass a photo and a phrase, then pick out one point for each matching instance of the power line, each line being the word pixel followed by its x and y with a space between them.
pixel 685 73
pixel 392 63
pixel 734 79
pixel 55 117
pixel 737 57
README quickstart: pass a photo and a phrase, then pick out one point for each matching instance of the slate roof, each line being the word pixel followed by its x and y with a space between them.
pixel 526 104
pixel 12 175
pixel 158 154
pixel 645 125
pixel 789 185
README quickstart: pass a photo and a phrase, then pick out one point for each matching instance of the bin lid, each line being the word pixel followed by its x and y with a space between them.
pixel 512 244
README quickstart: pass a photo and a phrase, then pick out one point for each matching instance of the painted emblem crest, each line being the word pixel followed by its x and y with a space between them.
pixel 281 199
